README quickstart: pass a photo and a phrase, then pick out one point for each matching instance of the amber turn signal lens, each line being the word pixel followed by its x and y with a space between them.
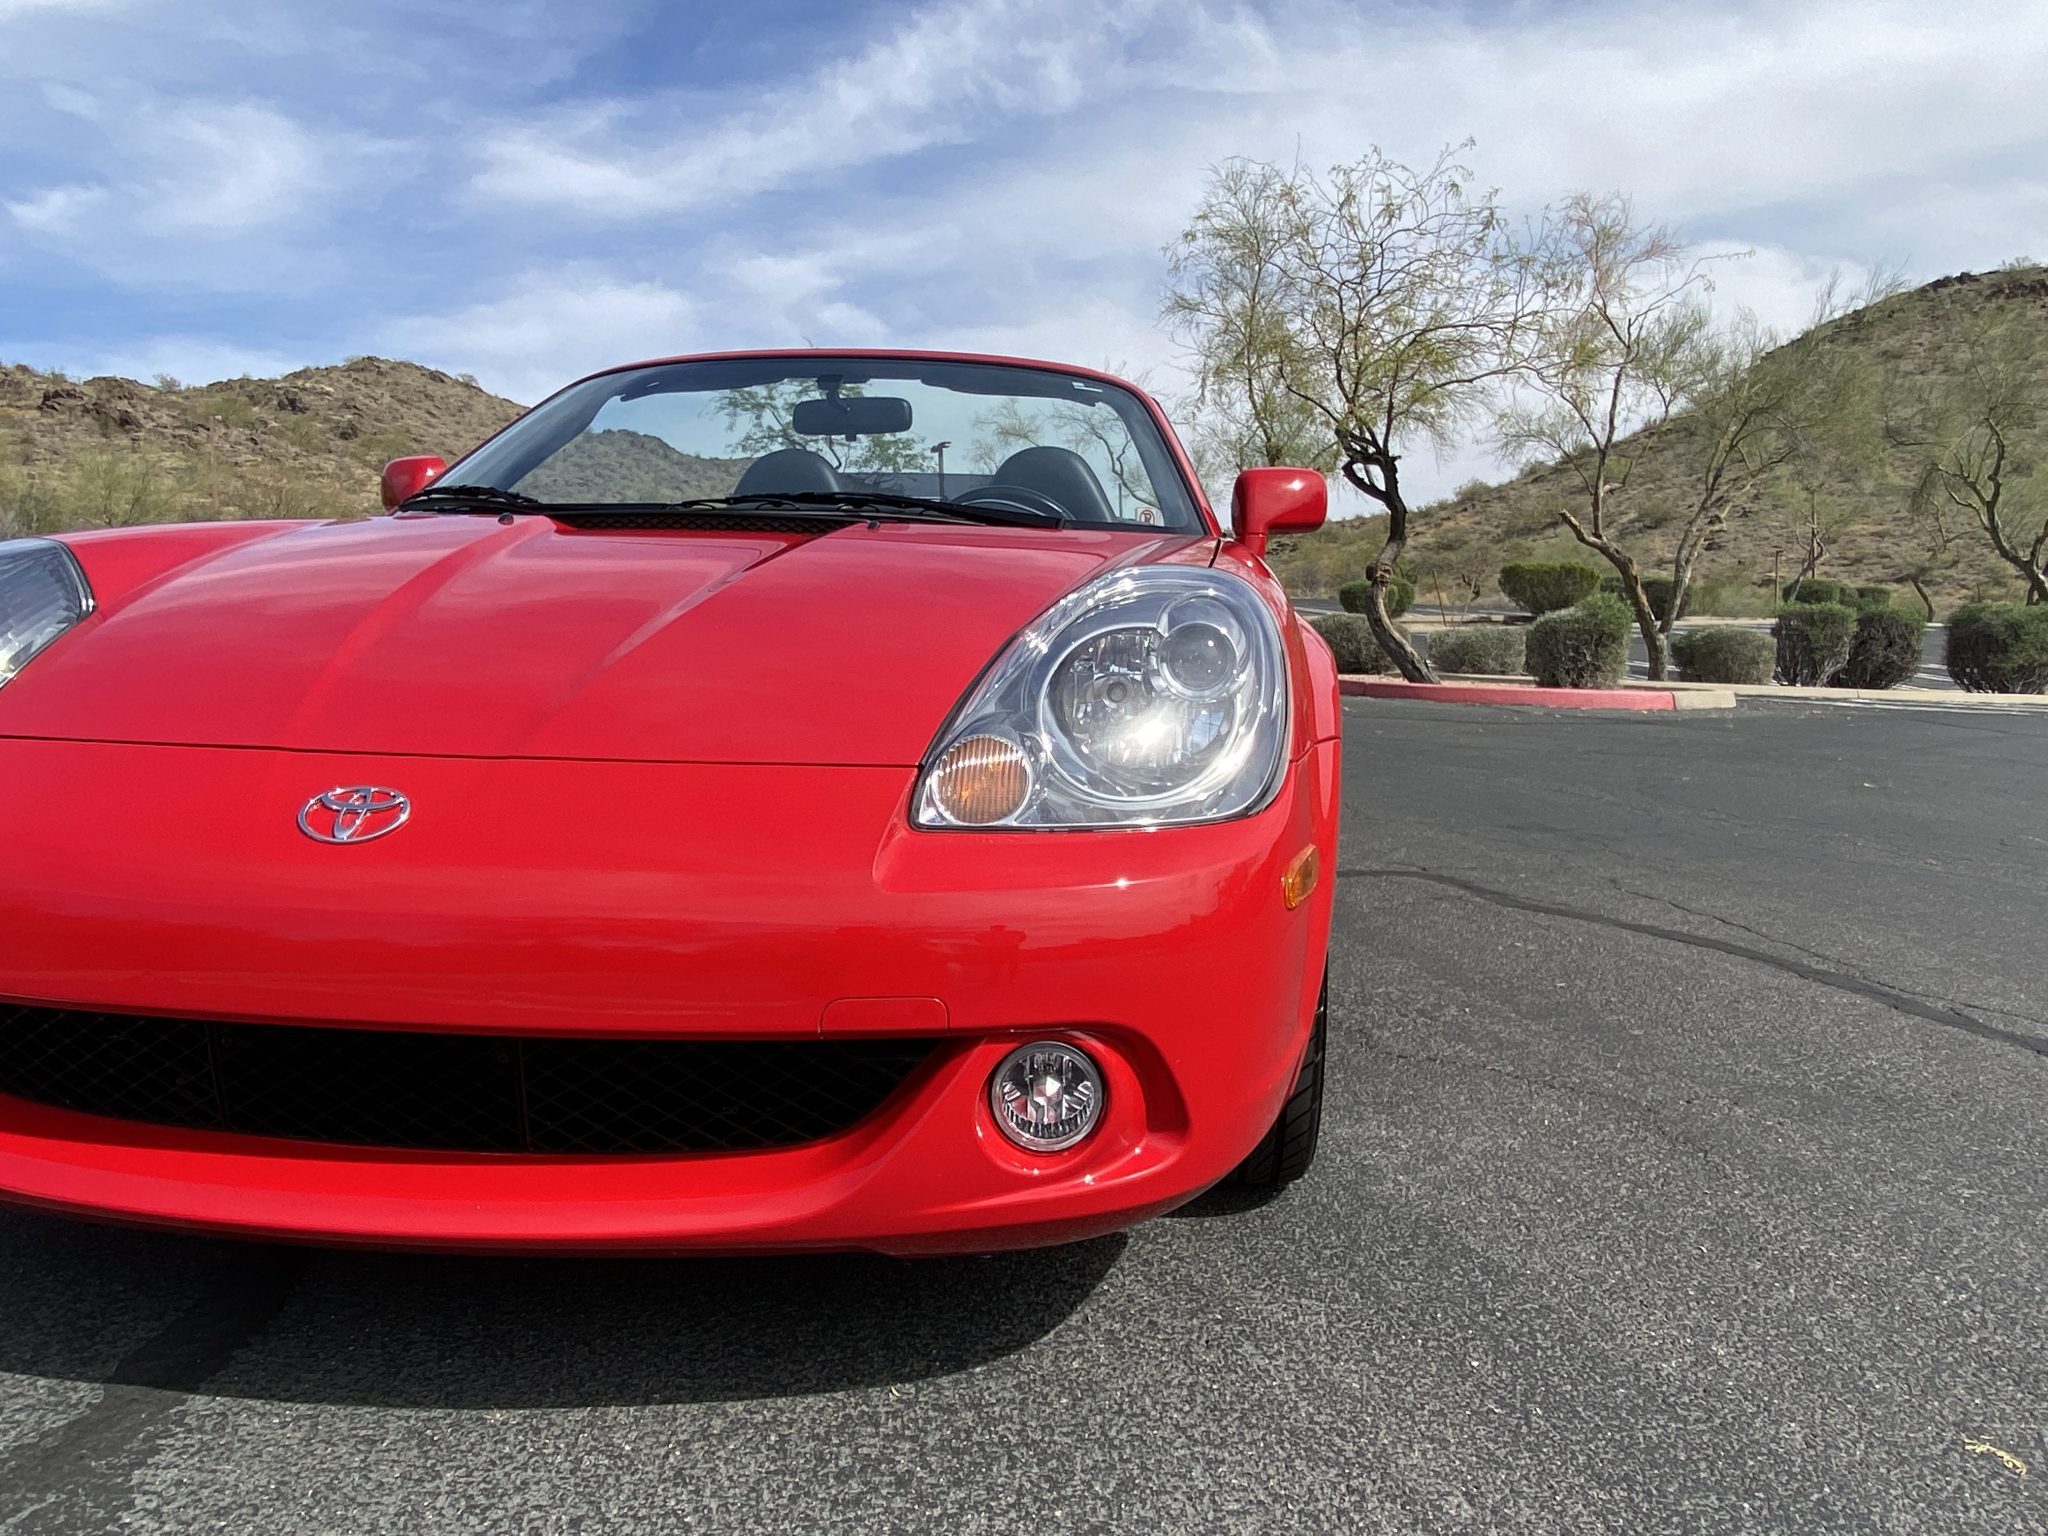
pixel 1300 879
pixel 981 780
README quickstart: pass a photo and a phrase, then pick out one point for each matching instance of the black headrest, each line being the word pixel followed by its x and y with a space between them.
pixel 787 469
pixel 1061 474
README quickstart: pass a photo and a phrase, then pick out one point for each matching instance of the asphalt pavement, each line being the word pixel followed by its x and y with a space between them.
pixel 1682 1172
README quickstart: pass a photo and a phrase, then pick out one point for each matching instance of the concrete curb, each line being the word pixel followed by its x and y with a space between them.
pixel 1500 691
pixel 1638 695
pixel 1951 698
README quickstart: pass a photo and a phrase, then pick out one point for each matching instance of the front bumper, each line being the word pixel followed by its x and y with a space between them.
pixel 665 900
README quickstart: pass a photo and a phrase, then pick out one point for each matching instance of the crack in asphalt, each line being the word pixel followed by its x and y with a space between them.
pixel 78 1474
pixel 1834 960
pixel 1841 981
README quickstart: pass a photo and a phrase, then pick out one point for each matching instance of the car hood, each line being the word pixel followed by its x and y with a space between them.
pixel 468 636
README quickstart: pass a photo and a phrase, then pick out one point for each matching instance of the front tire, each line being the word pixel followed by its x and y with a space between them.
pixel 1290 1146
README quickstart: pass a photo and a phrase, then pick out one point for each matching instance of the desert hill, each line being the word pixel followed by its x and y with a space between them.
pixel 106 452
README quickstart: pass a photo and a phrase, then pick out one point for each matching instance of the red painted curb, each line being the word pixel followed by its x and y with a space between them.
pixel 1511 693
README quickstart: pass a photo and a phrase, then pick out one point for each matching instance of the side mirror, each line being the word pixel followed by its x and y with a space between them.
pixel 1270 501
pixel 409 476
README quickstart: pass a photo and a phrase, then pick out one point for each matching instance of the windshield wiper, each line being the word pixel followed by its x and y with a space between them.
pixel 883 503
pixel 475 495
pixel 851 505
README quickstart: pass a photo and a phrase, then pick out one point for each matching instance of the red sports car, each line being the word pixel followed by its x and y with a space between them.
pixel 781 800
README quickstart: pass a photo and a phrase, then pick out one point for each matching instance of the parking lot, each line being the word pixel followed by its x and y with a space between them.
pixel 1683 1172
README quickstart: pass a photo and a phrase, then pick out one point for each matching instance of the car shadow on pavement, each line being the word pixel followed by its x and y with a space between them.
pixel 186 1315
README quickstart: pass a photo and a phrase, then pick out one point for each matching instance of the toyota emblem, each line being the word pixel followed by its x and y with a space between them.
pixel 356 813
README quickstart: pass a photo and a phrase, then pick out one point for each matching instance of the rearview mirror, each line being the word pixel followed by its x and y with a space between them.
pixel 409 476
pixel 851 416
pixel 1269 501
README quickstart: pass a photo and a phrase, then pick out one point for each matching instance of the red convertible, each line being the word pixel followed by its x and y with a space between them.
pixel 765 801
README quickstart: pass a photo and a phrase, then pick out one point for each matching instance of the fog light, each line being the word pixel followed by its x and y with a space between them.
pixel 1046 1097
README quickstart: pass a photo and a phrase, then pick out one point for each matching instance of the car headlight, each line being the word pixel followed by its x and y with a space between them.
pixel 1147 697
pixel 42 594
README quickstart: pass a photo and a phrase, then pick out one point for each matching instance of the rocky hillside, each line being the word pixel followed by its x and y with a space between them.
pixel 618 465
pixel 106 452
pixel 1462 542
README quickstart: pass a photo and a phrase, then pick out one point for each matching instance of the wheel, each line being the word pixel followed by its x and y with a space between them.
pixel 1290 1147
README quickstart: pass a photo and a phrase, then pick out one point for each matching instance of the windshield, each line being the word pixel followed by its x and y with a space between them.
pixel 994 435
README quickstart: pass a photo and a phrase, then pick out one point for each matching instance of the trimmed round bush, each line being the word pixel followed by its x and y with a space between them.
pixel 1351 641
pixel 1724 653
pixel 1816 591
pixel 1540 587
pixel 1584 646
pixel 1999 647
pixel 1351 597
pixel 1657 589
pixel 1814 640
pixel 1490 650
pixel 1873 599
pixel 1885 652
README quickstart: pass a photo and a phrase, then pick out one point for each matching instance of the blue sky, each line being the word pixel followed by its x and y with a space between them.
pixel 526 189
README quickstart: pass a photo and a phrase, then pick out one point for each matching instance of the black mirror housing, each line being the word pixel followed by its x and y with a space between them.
pixel 851 416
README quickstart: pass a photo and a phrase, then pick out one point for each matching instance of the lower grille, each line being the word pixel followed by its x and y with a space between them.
pixel 466 1093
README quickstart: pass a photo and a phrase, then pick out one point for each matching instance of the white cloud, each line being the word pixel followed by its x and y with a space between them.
pixel 203 170
pixel 56 211
pixel 951 73
pixel 1819 136
pixel 218 170
pixel 547 328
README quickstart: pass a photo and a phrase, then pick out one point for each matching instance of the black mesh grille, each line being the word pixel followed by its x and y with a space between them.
pixel 470 1093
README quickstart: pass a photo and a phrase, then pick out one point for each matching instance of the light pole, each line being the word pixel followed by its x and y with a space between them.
pixel 940 450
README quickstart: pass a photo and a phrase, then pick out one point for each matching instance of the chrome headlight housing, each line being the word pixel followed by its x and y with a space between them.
pixel 1148 697
pixel 42 594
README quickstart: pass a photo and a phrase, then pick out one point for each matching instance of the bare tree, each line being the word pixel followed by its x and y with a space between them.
pixel 1734 432
pixel 1971 435
pixel 1341 319
pixel 1621 342
pixel 1759 413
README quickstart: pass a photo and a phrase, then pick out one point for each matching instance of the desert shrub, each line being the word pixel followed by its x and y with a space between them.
pixel 1351 642
pixel 1885 651
pixel 1657 589
pixel 1815 590
pixel 1731 595
pixel 1814 640
pixel 1494 650
pixel 1724 653
pixel 1540 587
pixel 29 503
pixel 116 488
pixel 1584 646
pixel 1999 648
pixel 224 406
pixel 1400 595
